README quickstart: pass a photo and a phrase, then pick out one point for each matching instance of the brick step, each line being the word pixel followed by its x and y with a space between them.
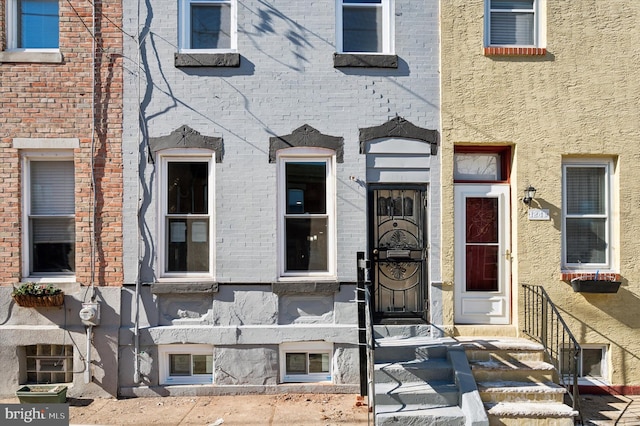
pixel 415 394
pixel 418 415
pixel 536 414
pixel 548 392
pixel 407 371
pixel 513 371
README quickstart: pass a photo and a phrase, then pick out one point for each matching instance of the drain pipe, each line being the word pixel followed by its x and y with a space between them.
pixel 87 370
pixel 136 319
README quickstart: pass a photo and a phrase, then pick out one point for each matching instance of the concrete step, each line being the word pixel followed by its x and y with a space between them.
pixel 416 393
pixel 513 371
pixel 488 349
pixel 521 392
pixel 534 413
pixel 417 415
pixel 394 350
pixel 402 331
pixel 409 371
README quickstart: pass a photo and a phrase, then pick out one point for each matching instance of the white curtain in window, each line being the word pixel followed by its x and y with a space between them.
pixel 512 22
pixel 52 188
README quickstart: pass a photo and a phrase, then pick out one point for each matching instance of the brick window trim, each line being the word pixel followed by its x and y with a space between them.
pixel 514 51
pixel 604 276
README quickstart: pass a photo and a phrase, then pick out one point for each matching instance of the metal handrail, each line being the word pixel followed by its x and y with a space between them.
pixel 365 333
pixel 543 323
pixel 371 383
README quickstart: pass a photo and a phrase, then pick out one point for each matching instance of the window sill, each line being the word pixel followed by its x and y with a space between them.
pixel 359 60
pixel 182 288
pixel 299 287
pixel 514 51
pixel 231 60
pixel 588 275
pixel 31 57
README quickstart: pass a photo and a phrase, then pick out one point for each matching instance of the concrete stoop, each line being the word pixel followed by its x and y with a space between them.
pixel 421 380
pixel 515 383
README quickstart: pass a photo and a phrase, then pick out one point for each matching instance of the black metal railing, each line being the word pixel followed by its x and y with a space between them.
pixel 365 333
pixel 543 323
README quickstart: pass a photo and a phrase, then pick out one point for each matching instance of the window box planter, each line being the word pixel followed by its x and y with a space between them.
pixel 36 295
pixel 42 394
pixel 31 301
pixel 595 286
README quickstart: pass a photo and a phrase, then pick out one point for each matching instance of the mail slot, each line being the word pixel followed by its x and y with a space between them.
pixel 398 253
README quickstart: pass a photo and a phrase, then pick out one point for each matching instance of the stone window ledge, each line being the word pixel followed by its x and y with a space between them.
pixel 184 288
pixel 31 57
pixel 343 60
pixel 515 51
pixel 303 287
pixel 193 60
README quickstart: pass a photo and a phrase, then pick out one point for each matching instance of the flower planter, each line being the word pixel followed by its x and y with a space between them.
pixel 595 286
pixel 42 394
pixel 31 301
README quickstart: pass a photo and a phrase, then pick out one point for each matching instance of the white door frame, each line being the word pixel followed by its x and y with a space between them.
pixel 482 307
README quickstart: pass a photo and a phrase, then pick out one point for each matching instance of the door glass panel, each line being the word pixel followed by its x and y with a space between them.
pixel 482 248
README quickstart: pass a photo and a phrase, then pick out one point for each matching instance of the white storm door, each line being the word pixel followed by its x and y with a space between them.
pixel 482 286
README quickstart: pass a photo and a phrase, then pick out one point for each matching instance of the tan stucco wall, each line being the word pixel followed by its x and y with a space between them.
pixel 582 98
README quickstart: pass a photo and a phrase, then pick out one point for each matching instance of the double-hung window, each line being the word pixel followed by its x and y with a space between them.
pixel 587 215
pixel 208 25
pixel 49 215
pixel 513 23
pixel 307 218
pixel 187 212
pixel 32 24
pixel 365 26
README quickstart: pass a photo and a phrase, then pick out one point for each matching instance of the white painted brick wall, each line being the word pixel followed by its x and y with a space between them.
pixel 286 79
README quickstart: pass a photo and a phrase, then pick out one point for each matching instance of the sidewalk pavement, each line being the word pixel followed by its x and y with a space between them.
pixel 611 409
pixel 276 410
pixel 286 410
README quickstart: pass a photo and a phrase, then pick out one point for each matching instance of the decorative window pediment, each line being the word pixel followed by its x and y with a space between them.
pixel 306 136
pixel 185 137
pixel 398 127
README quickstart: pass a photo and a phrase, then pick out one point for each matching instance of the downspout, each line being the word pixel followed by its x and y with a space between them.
pixel 136 319
pixel 89 328
pixel 87 371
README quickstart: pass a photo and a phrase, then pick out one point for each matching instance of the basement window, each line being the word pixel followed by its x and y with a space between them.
pixel 186 364
pixel 306 362
pixel 47 364
pixel 591 362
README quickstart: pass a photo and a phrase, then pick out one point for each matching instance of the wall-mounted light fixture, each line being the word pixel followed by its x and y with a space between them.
pixel 529 193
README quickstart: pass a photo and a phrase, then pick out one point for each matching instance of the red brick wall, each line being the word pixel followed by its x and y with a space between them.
pixel 60 101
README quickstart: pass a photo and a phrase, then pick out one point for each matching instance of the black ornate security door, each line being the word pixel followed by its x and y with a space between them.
pixel 399 252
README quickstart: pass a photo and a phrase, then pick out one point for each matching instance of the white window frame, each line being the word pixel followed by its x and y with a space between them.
pixel 388 25
pixel 604 362
pixel 165 377
pixel 27 158
pixel 11 25
pixel 307 155
pixel 319 347
pixel 539 25
pixel 608 265
pixel 184 24
pixel 186 156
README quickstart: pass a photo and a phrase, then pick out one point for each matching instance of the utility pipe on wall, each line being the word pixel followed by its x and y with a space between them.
pixel 87 371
